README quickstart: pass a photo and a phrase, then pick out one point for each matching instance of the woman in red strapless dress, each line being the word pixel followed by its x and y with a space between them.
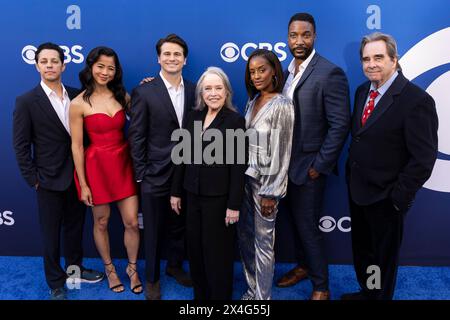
pixel 104 170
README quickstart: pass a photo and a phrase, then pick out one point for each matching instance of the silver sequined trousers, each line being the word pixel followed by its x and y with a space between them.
pixel 267 176
pixel 256 242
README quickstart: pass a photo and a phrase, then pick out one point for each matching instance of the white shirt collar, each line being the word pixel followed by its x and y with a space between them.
pixel 49 91
pixel 382 90
pixel 168 84
pixel 304 64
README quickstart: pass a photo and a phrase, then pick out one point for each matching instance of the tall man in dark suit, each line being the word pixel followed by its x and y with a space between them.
pixel 392 154
pixel 158 108
pixel 43 151
pixel 319 90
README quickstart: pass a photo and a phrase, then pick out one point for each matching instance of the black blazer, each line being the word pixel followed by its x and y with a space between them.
pixel 214 179
pixel 322 119
pixel 153 119
pixel 41 142
pixel 394 153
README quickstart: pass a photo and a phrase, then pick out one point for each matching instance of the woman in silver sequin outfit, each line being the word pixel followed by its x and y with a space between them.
pixel 269 122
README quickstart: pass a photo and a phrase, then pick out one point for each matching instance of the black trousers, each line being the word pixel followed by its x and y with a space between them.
pixel 210 247
pixel 161 223
pixel 377 231
pixel 306 203
pixel 60 211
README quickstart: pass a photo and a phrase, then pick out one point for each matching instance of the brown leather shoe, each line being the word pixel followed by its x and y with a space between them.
pixel 320 295
pixel 180 276
pixel 292 277
pixel 152 291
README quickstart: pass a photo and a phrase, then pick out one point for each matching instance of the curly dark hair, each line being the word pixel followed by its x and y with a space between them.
pixel 115 85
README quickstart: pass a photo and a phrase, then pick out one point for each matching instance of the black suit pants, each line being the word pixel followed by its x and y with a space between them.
pixel 60 210
pixel 210 247
pixel 377 231
pixel 161 223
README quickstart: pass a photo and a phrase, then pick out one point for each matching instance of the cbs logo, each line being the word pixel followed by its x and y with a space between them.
pixel 6 218
pixel 328 224
pixel 230 51
pixel 72 54
pixel 428 54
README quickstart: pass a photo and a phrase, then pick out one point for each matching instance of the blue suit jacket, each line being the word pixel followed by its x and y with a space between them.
pixel 153 119
pixel 322 119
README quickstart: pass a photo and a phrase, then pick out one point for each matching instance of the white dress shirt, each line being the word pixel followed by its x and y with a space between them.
pixel 177 97
pixel 61 106
pixel 292 81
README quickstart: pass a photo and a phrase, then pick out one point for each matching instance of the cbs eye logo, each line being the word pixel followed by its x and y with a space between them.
pixel 328 224
pixel 72 54
pixel 230 51
pixel 427 54
pixel 28 54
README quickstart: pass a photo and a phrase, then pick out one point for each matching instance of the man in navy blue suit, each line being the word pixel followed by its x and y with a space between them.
pixel 392 153
pixel 319 90
pixel 41 138
pixel 158 108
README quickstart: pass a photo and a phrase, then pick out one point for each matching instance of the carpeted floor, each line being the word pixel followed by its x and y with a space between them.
pixel 22 278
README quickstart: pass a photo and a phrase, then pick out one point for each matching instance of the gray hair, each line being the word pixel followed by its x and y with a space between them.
pixel 391 45
pixel 200 103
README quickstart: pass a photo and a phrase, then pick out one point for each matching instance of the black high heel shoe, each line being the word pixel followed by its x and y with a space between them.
pixel 108 272
pixel 134 289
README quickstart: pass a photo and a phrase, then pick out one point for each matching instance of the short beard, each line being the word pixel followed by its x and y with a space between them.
pixel 304 56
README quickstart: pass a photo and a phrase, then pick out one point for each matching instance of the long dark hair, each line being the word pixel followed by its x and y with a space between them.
pixel 272 59
pixel 115 85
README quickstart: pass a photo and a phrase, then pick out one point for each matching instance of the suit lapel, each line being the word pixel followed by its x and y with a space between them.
pixel 218 119
pixel 47 108
pixel 360 102
pixel 307 71
pixel 188 104
pixel 165 97
pixel 385 102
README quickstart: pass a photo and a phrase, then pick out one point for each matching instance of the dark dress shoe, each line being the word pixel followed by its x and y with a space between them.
pixel 58 294
pixel 180 276
pixel 152 291
pixel 320 295
pixel 292 277
pixel 354 296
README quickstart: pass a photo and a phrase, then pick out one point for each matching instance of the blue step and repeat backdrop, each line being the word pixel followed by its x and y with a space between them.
pixel 223 33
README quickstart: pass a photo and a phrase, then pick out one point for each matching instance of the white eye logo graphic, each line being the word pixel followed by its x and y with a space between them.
pixel 28 54
pixel 327 224
pixel 432 52
pixel 229 52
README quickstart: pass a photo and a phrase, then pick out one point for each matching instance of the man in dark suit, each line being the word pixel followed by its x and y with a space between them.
pixel 392 154
pixel 43 151
pixel 158 108
pixel 319 90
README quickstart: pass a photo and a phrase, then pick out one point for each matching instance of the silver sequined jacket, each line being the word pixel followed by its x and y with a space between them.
pixel 270 143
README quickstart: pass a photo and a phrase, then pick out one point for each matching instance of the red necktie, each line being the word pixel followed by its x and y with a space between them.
pixel 369 107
